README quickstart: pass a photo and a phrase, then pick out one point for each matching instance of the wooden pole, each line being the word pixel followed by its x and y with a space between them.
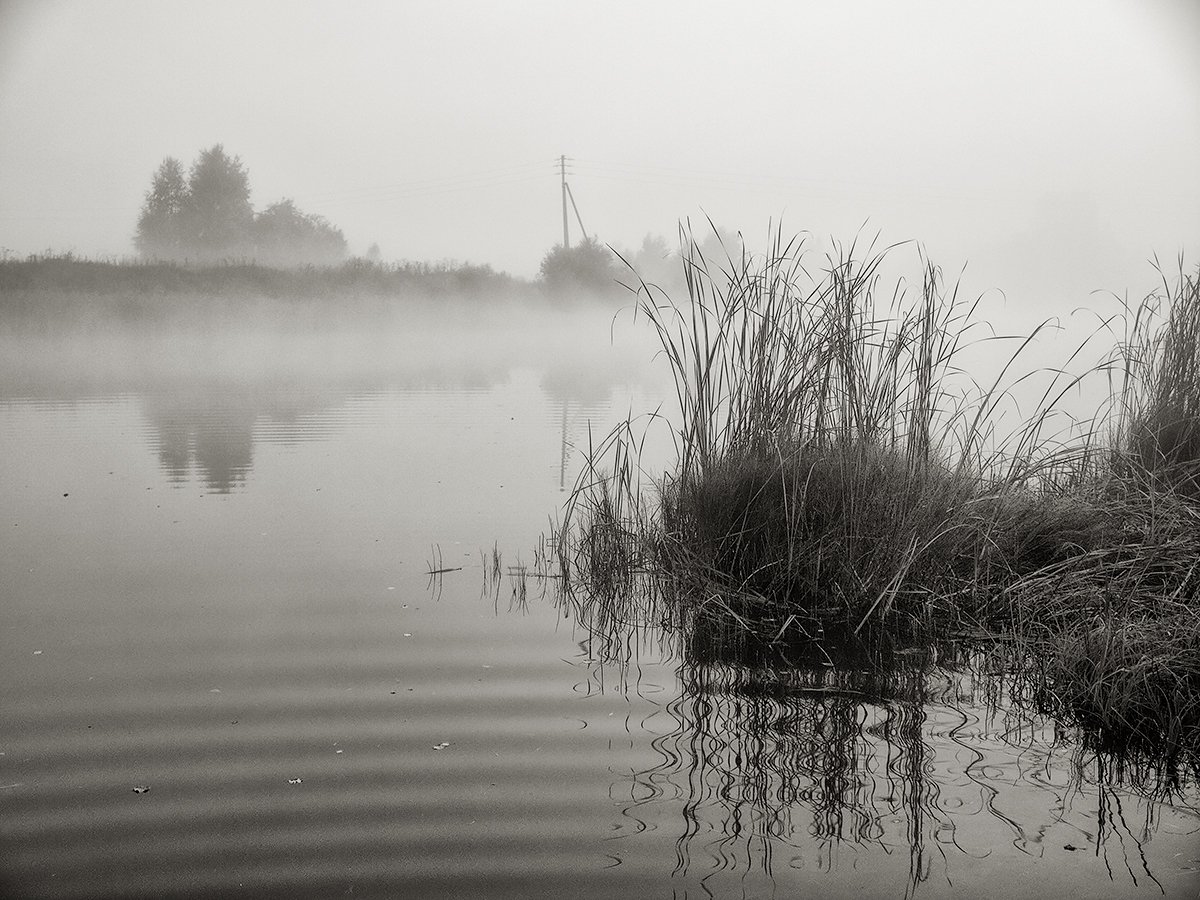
pixel 562 171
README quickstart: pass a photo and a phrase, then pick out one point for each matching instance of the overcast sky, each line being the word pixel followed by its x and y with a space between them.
pixel 1061 133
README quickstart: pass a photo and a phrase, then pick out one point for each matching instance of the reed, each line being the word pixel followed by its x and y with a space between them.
pixel 836 467
pixel 830 450
pixel 1158 430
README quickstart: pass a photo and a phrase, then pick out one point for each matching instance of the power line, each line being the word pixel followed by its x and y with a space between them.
pixel 416 186
pixel 386 196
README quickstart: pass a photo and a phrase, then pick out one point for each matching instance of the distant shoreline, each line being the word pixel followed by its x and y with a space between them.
pixel 74 274
pixel 52 291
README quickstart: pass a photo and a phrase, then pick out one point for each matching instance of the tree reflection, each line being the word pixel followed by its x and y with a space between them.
pixel 211 389
pixel 215 439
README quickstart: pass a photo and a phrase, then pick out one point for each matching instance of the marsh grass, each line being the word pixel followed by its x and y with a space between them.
pixel 52 293
pixel 1159 423
pixel 67 274
pixel 837 468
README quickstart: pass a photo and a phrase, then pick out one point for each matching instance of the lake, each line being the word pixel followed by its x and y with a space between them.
pixel 228 671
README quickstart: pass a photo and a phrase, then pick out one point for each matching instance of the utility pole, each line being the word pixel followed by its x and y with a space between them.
pixel 562 171
pixel 578 218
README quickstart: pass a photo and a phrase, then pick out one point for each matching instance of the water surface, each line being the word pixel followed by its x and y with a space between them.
pixel 226 670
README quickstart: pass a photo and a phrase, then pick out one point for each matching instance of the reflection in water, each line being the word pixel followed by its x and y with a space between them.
pixel 207 429
pixel 209 396
pixel 211 436
pixel 217 440
pixel 805 760
pixel 916 764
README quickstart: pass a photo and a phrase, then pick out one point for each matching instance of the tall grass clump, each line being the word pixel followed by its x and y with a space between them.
pixel 838 471
pixel 1159 413
pixel 832 457
pixel 1115 632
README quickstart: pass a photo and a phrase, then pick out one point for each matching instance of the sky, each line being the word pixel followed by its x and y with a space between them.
pixel 1052 144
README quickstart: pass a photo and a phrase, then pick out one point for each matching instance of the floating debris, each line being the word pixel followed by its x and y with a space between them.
pixel 442 746
pixel 290 781
pixel 141 788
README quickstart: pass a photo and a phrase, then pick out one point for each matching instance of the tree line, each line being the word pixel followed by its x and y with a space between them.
pixel 592 266
pixel 206 217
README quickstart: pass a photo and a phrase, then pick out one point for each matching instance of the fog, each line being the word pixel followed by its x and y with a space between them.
pixel 1049 147
pixel 1042 155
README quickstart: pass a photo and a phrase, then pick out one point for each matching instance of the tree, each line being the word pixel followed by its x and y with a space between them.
pixel 218 218
pixel 158 230
pixel 588 265
pixel 284 236
pixel 208 218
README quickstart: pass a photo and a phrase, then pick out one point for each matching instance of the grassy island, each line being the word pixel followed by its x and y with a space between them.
pixel 839 477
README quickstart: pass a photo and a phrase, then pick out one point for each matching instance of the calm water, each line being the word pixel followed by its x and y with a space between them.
pixel 215 549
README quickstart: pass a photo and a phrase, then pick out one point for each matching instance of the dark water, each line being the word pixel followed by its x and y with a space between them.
pixel 215 550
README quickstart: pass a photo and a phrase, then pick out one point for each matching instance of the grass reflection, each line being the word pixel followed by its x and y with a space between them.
pixel 812 752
